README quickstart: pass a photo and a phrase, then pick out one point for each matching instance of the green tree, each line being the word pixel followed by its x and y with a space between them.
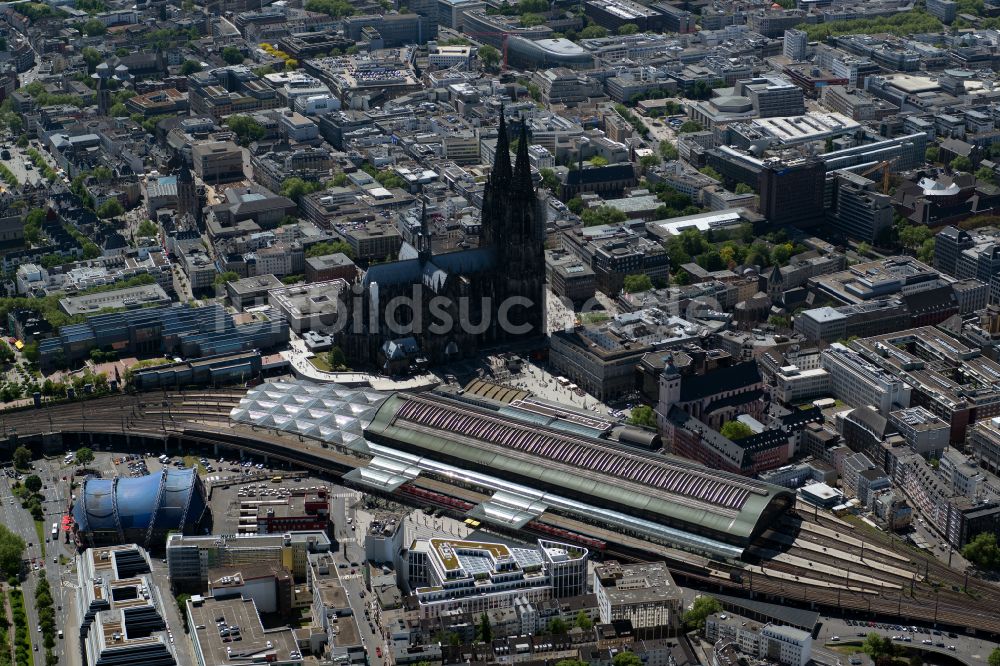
pixel 913 236
pixel 598 161
pixel 983 551
pixel 489 56
pixel 583 620
pixel 743 188
pixel 633 284
pixel 232 55
pixel 642 415
pixel 33 483
pixel 711 173
pixel 84 456
pixel 189 67
pixel 926 251
pixel 602 215
pixel 575 205
pixel 11 551
pixel 246 129
pixel 864 248
pixel 148 228
pixel 690 126
pixel 337 359
pixel 92 57
pixel 647 162
pixel 329 247
pixel 626 659
pixel 960 163
pixel 628 29
pixel 224 278
pixel 118 111
pixel 295 188
pixel 668 150
pixel 334 8
pixel 702 607
pixel 593 32
pixel 485 629
pixel 994 659
pixel 531 20
pixel 877 646
pixel 22 457
pixel 575 662
pixel 93 28
pixel 549 179
pixel 932 154
pixel 110 208
pixel 735 430
pixel 985 173
pixel 558 626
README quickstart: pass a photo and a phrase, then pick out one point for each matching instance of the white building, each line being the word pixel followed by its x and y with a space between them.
pixel 926 434
pixel 474 576
pixel 795 385
pixel 643 593
pixel 860 383
pixel 775 643
pixel 449 56
pixel 786 645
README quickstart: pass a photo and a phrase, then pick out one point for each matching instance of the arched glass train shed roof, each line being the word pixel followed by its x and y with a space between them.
pixel 664 489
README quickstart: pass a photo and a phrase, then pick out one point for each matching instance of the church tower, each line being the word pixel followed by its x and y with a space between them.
pixel 513 224
pixel 103 97
pixel 187 196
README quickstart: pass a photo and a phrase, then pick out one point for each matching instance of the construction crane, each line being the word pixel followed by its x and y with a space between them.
pixel 504 35
pixel 884 166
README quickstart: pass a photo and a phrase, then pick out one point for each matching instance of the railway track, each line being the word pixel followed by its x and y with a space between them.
pixel 932 593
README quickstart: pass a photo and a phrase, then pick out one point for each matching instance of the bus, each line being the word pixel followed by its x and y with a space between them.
pixel 276 479
pixel 55 531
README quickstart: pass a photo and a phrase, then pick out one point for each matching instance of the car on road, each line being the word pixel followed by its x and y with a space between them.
pixel 927 641
pixel 835 638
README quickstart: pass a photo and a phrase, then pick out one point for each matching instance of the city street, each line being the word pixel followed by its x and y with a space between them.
pixel 60 576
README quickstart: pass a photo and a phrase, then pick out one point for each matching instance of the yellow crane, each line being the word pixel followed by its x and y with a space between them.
pixel 884 166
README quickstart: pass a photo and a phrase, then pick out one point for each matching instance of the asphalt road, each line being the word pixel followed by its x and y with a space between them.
pixel 59 576
pixel 352 550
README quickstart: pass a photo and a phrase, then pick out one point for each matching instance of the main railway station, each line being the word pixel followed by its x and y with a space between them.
pixel 532 470
pixel 526 466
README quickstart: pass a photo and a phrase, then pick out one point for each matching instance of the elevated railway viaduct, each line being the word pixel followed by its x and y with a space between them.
pixel 806 559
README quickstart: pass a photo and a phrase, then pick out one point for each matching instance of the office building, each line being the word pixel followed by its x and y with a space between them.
pixel 949 244
pixel 448 575
pixel 644 594
pixel 858 210
pixel 943 10
pixel 612 14
pixel 173 330
pixel 795 44
pixel 792 192
pixel 925 433
pixel 189 558
pixel 122 615
pixel 772 97
pixel 218 161
pixel 217 643
pixel 146 295
pixel 860 383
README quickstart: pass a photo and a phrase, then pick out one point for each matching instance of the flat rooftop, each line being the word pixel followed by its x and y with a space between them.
pixel 219 644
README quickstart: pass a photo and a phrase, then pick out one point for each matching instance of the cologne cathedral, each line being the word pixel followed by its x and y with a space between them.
pixel 459 302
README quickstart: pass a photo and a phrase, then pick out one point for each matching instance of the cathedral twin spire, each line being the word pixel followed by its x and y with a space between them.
pixel 503 175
